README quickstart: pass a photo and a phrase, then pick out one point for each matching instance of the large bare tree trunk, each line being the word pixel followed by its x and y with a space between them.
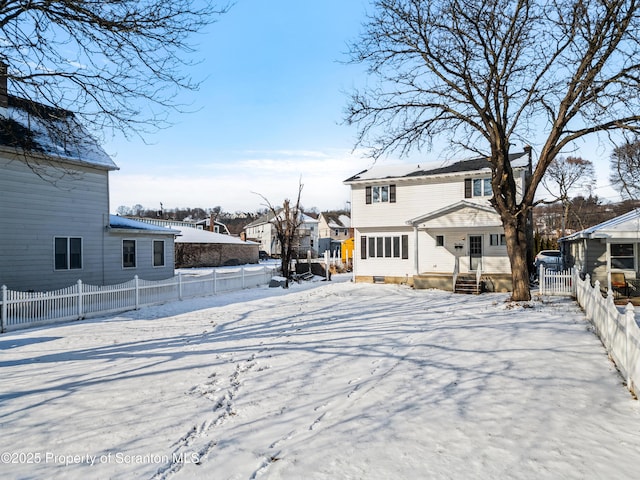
pixel 515 229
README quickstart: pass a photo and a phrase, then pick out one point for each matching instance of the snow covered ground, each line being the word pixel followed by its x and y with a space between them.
pixel 324 381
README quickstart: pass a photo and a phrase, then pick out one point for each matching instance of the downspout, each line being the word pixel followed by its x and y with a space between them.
pixel 415 251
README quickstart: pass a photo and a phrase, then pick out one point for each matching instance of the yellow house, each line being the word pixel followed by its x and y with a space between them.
pixel 347 251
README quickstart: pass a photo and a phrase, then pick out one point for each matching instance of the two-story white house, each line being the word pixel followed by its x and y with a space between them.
pixel 263 232
pixel 418 224
pixel 333 229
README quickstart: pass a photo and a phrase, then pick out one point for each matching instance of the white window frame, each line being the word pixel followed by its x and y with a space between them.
pixel 497 240
pixel 379 193
pixel 484 186
pixel 626 257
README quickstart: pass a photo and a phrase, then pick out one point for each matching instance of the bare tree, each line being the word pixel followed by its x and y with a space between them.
pixel 564 176
pixel 111 63
pixel 486 74
pixel 625 169
pixel 286 221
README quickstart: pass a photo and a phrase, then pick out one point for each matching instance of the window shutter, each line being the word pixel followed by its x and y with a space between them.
pixel 392 193
pixel 367 195
pixel 363 247
pixel 405 247
pixel 467 188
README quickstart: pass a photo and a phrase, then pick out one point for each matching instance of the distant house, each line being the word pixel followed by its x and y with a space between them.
pixel 197 247
pixel 263 232
pixel 609 247
pixel 427 224
pixel 218 227
pixel 333 229
pixel 55 226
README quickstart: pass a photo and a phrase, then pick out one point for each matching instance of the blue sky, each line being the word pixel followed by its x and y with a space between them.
pixel 269 113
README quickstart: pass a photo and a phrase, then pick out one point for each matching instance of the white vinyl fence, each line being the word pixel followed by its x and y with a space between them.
pixel 618 331
pixel 557 283
pixel 30 309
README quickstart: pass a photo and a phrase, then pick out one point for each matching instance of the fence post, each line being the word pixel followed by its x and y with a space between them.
pixel 541 279
pixel 135 278
pixel 80 306
pixel 179 285
pixel 630 317
pixel 3 316
pixel 243 282
pixel 215 281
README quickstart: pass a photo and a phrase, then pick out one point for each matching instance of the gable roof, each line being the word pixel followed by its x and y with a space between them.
pixel 453 208
pixel 50 131
pixel 336 220
pixel 627 225
pixel 380 172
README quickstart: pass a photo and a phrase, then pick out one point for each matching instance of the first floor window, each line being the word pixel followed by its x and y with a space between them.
pixel 496 239
pixel 67 253
pixel 384 247
pixel 129 253
pixel 622 256
pixel 158 253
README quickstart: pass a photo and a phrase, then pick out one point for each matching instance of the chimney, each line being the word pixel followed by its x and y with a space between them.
pixel 4 98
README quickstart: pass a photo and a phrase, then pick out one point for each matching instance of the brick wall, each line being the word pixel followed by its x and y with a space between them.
pixel 190 255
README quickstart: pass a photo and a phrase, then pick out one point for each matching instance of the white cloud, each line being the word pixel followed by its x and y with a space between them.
pixel 235 184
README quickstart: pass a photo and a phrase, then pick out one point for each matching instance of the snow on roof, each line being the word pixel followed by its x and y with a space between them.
pixel 196 235
pixel 116 221
pixel 51 131
pixel 380 172
pixel 629 222
pixel 338 221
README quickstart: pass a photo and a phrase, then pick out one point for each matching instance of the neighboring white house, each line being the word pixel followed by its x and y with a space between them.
pixel 417 224
pixel 263 232
pixel 333 229
pixel 609 247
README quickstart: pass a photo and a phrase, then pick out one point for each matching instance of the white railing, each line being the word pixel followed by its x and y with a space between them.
pixel 557 283
pixel 618 331
pixel 29 309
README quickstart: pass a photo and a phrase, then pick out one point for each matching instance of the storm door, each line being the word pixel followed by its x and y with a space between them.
pixel 475 252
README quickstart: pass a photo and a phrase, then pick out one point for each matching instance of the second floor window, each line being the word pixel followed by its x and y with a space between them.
pixel 380 194
pixel 477 187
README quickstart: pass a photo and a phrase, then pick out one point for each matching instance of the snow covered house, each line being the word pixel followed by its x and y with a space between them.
pixel 421 224
pixel 55 226
pixel 263 232
pixel 607 248
pixel 333 229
